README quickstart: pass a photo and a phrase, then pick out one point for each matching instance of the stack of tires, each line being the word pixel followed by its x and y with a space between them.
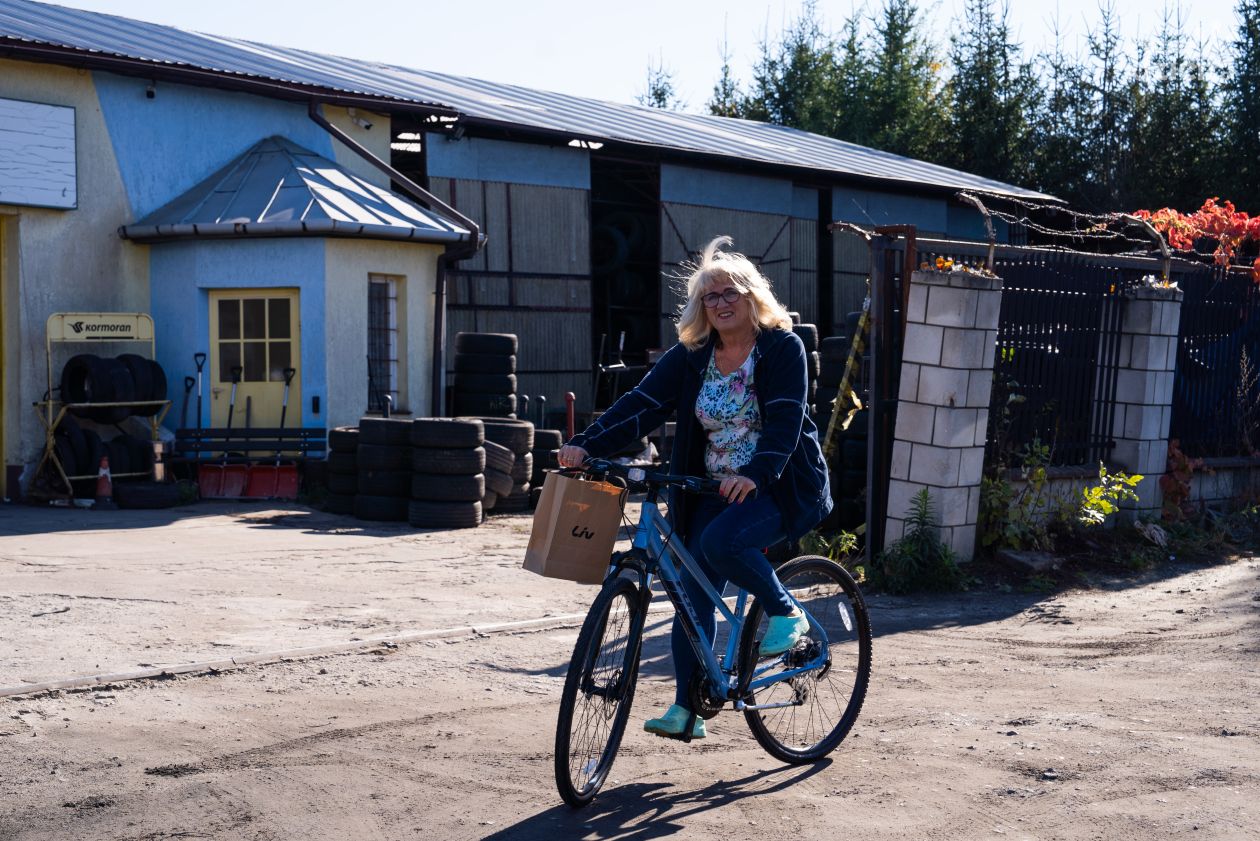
pixel 127 378
pixel 448 480
pixel 833 354
pixel 80 450
pixel 848 482
pixel 546 444
pixel 343 469
pixel 517 437
pixel 809 336
pixel 485 375
pixel 383 459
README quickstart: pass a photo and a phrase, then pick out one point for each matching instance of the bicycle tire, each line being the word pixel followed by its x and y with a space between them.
pixel 582 767
pixel 830 595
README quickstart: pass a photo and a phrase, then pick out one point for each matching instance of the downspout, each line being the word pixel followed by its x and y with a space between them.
pixel 451 255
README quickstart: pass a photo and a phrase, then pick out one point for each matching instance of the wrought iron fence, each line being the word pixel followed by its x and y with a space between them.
pixel 1216 403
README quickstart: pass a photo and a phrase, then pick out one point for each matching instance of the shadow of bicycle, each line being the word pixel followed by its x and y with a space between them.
pixel 642 811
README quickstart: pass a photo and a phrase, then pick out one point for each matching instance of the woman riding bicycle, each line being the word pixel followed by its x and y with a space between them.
pixel 738 380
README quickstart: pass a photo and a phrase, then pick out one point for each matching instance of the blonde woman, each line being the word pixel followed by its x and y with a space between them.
pixel 737 379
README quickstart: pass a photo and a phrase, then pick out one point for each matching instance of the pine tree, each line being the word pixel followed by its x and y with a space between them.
pixel 906 106
pixel 660 91
pixel 1241 108
pixel 792 79
pixel 726 95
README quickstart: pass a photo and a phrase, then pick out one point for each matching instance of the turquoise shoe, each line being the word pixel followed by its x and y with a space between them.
pixel 782 632
pixel 672 723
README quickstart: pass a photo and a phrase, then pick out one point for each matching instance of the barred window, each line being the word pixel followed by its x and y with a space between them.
pixel 384 341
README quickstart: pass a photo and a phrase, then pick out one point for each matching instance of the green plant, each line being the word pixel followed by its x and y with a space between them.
pixel 1014 518
pixel 1099 502
pixel 919 561
pixel 841 547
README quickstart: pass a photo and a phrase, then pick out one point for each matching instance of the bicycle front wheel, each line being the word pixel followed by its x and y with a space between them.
pixel 804 718
pixel 598 691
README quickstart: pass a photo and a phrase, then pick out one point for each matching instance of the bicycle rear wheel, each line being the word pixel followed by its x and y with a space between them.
pixel 821 705
pixel 598 691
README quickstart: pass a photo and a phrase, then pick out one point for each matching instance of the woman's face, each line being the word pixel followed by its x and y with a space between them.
pixel 727 309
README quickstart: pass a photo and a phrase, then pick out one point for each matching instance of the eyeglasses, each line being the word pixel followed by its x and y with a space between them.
pixel 730 296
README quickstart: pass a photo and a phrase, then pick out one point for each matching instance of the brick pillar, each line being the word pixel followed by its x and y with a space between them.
pixel 1144 387
pixel 943 406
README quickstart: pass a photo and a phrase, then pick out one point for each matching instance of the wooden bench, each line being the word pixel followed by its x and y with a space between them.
pixel 241 446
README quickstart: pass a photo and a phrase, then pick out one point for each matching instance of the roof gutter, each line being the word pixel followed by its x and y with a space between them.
pixel 315 228
pixel 219 79
pixel 461 250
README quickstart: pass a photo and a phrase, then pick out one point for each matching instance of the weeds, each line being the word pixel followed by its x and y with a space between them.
pixel 919 561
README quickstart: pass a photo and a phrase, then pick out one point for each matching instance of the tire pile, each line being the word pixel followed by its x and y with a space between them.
pixel 809 336
pixel 485 375
pixel 848 477
pixel 80 451
pixel 509 464
pixel 126 378
pixel 428 472
pixel 546 444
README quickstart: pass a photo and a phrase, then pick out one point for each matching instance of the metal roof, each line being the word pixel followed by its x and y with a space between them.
pixel 277 188
pixel 58 34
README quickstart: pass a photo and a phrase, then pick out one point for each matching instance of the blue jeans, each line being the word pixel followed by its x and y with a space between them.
pixel 727 541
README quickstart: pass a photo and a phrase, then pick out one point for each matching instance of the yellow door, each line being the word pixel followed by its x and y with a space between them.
pixel 255 330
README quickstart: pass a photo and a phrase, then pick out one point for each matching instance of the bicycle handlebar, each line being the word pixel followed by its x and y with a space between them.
pixel 648 478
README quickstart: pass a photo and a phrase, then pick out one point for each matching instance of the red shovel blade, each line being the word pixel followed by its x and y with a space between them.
pixel 262 481
pixel 287 481
pixel 235 477
pixel 210 481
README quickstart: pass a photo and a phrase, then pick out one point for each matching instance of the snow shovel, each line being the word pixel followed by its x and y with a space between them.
pixel 224 481
pixel 276 481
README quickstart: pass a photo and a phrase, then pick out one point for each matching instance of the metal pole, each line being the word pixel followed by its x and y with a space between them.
pixel 876 465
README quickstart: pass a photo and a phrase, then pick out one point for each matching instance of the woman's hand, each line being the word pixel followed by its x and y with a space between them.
pixel 571 455
pixel 736 489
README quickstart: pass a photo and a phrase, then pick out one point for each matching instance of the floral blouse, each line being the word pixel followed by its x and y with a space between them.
pixel 727 409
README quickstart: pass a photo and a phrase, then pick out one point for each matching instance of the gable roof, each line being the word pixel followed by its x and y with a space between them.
pixel 277 188
pixel 44 32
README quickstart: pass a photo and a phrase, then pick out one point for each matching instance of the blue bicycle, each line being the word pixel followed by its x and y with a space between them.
pixel 799 705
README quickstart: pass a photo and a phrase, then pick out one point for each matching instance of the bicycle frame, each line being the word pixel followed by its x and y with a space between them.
pixel 653 536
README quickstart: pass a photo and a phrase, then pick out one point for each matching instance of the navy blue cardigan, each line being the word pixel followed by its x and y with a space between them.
pixel 788 460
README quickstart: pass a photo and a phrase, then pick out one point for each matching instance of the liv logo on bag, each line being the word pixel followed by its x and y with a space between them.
pixel 575 527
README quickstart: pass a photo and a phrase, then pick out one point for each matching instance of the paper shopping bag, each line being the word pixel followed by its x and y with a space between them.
pixel 575 527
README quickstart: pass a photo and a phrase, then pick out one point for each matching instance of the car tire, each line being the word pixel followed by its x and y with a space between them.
pixel 447 432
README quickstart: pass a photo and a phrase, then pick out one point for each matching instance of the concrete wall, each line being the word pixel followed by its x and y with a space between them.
pixel 348 263
pixel 62 260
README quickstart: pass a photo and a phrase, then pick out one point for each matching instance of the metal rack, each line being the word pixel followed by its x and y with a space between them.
pixel 90 328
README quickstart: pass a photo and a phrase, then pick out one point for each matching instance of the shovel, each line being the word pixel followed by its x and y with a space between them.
pixel 224 481
pixel 283 482
pixel 189 382
pixel 200 360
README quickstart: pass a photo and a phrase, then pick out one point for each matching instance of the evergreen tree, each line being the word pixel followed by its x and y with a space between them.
pixel 1110 93
pixel 726 95
pixel 792 79
pixel 1241 108
pixel 851 87
pixel 906 106
pixel 992 96
pixel 1060 126
pixel 660 91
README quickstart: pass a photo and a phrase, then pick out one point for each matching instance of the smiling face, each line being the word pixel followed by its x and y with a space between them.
pixel 729 318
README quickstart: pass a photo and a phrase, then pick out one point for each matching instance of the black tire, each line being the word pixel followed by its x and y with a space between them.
pixel 516 435
pixel 342 462
pixel 812 365
pixel 795 316
pixel 65 455
pixel 119 456
pixel 447 433
pixel 385 432
pixel 547 439
pixel 148 495
pixel 385 482
pixel 808 334
pixel 88 378
pixel 346 484
pixel 834 692
pixel 502 344
pixel 76 441
pixel 861 423
pixel 598 691
pixel 484 363
pixel 484 405
pixel 444 515
pixel 517 501
pixel 499 457
pixel 376 457
pixel 338 503
pixel 546 460
pixel 462 462
pixel 825 394
pixel 523 469
pixel 343 439
pixel 445 488
pixel 489 501
pixel 500 483
pixel 140 454
pixel 94 448
pixel 381 508
pixel 141 378
pixel 486 383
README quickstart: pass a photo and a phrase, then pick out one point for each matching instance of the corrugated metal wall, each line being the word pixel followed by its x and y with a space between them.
pixel 532 279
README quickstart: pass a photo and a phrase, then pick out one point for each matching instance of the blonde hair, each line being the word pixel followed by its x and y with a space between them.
pixel 715 265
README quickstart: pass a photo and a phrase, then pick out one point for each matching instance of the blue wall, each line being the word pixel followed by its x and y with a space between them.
pixel 867 207
pixel 181 275
pixel 733 191
pixel 500 160
pixel 170 143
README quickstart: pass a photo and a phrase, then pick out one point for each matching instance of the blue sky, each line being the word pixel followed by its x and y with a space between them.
pixel 599 50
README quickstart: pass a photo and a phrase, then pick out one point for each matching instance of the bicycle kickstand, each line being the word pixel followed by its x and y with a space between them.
pixel 685 735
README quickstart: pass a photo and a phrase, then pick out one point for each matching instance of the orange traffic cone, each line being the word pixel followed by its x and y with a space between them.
pixel 104 487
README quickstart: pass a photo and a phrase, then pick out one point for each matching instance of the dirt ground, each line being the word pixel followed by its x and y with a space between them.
pixel 1127 709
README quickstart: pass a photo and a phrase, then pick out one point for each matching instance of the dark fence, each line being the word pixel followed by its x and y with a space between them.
pixel 1215 408
pixel 1058 346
